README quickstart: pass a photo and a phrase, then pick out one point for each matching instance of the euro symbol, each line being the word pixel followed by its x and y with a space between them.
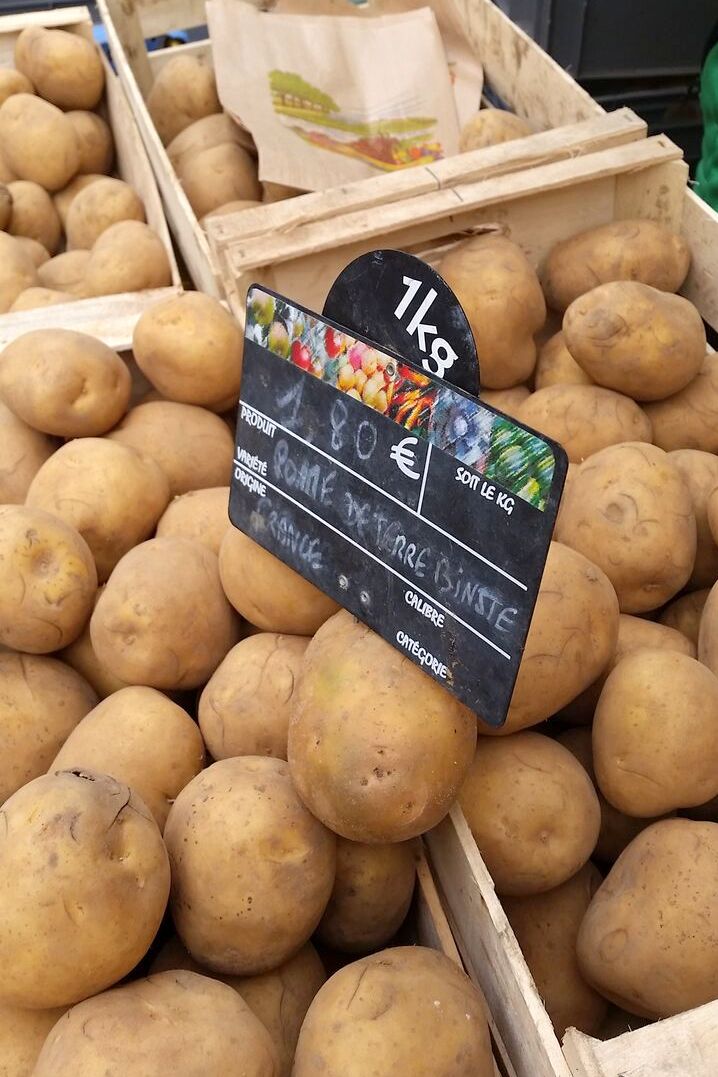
pixel 404 457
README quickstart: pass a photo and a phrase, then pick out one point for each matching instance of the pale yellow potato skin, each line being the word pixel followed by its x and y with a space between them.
pixel 556 366
pixel 65 272
pixel 266 592
pixel 178 1022
pixel 700 474
pixel 141 738
pixel 490 127
pixel 584 418
pixel 507 400
pixel 63 199
pixel 244 852
pixel 37 252
pixel 42 701
pixel 636 339
pixel 689 419
pixel 629 510
pixel 217 175
pixel 229 207
pixel 34 214
pixel 631 250
pixel 183 92
pixel 110 493
pixel 502 298
pixel 245 706
pixel 203 134
pixel 39 142
pixel 32 298
pixel 84 887
pixel 17 271
pixel 371 897
pixel 546 926
pixel 64 68
pixel 202 515
pixel 22 1034
pixel 369 763
pixel 163 620
pixel 97 207
pixel 127 257
pixel 81 656
pixel 47 581
pixel 647 938
pixel 533 812
pixel 97 148
pixel 684 613
pixel 12 82
pixel 24 451
pixel 408 1010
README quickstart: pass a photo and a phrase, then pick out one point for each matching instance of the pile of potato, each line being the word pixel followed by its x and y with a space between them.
pixel 68 229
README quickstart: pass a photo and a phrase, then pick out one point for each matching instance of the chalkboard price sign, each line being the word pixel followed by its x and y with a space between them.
pixel 424 512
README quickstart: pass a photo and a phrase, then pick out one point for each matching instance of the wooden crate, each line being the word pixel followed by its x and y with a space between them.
pixel 111 317
pixel 514 66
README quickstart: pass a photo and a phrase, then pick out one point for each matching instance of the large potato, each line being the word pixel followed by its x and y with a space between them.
pixel 41 702
pixel 12 82
pixel 34 215
pixel 372 893
pixel 64 383
pixel 408 1010
pixel 632 250
pixel 546 926
pixel 556 366
pixel 84 882
pixel 648 938
pixel 190 349
pixel 655 734
pixel 584 418
pixel 184 91
pixel 95 141
pixel 24 451
pixel 174 1022
pixel 500 293
pixel 700 474
pixel 204 134
pixel 141 738
pixel 81 656
pixel 684 613
pixel 202 515
pixel 63 199
pixel 490 127
pixel 22 1034
pixel 507 400
pixel 218 175
pixel 571 639
pixel 97 207
pixel 689 420
pixel 252 869
pixel 47 581
pixel 32 298
pixel 162 619
pixel 369 762
pixel 268 593
pixel 65 272
pixel 17 271
pixel 38 141
pixel 127 257
pixel 533 812
pixel 629 510
pixel 194 448
pixel 636 339
pixel 245 706
pixel 64 68
pixel 110 493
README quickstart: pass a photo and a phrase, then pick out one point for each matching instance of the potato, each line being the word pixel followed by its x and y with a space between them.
pixel 507 400
pixel 193 447
pixel 41 703
pixel 372 893
pixel 571 639
pixel 700 474
pixel 584 418
pixel 65 68
pixel 689 420
pixel 631 250
pixel 190 349
pixel 244 850
pixel 65 272
pixel 546 926
pixel 278 192
pixel 647 938
pixel 110 493
pixel 556 366
pixel 39 142
pixel 533 812
pixel 6 173
pixel 268 593
pixel 24 451
pixel 84 884
pixel 175 1021
pixel 34 298
pixel 636 339
pixel 127 257
pixel 64 198
pixel 500 293
pixel 47 581
pixel 708 632
pixel 37 252
pixel 684 613
pixel 490 127
pixel 711 510
pixel 22 1034
pixel 98 206
pixel 17 271
pixel 630 512
pixel 143 739
pixel 235 206
pixel 183 92
pixel 148 630
pixel 12 82
pixel 5 207
pixel 365 761
pixel 409 1010
pixel 94 137
pixel 217 175
pixel 244 708
pixel 205 134
pixel 64 383
pixel 202 515
pixel 81 656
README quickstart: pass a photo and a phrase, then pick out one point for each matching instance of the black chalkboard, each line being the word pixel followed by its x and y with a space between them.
pixel 423 511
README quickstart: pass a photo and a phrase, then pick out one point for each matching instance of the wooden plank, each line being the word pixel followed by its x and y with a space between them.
pixel 126 25
pixel 699 227
pixel 662 190
pixel 159 16
pixel 159 57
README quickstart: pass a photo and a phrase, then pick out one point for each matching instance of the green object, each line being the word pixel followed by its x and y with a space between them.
pixel 707 171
